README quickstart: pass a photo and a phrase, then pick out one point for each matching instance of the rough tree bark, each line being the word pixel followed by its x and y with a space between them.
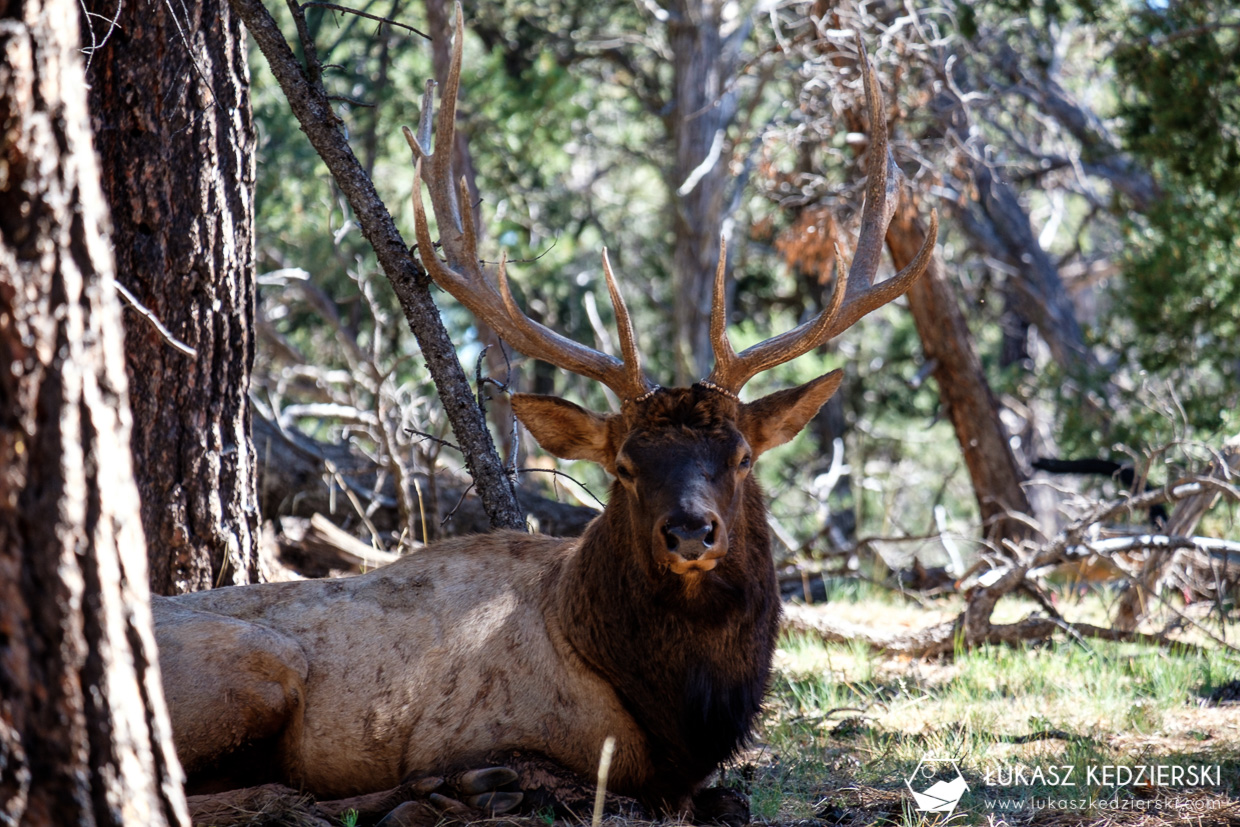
pixel 169 97
pixel 963 389
pixel 84 735
pixel 310 105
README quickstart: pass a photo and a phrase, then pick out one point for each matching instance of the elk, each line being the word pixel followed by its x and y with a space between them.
pixel 655 627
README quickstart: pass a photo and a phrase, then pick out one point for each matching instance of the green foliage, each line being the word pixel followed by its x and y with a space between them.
pixel 1180 63
pixel 1179 303
pixel 1181 297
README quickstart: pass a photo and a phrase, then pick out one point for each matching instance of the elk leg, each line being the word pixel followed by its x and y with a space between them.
pixel 233 689
pixel 550 787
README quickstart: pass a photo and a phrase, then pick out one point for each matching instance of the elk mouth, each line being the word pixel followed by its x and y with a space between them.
pixel 699 565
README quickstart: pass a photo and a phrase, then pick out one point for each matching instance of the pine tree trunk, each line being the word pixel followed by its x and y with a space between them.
pixel 84 735
pixel 171 114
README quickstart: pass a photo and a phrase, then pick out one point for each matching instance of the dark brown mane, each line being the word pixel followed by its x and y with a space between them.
pixel 696 684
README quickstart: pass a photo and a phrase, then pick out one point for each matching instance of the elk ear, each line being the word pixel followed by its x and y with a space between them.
pixel 569 431
pixel 773 420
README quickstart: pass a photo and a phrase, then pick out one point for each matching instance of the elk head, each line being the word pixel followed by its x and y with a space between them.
pixel 682 456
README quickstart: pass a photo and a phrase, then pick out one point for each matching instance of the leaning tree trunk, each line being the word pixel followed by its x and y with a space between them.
pixel 84 735
pixel 998 223
pixel 171 114
pixel 963 389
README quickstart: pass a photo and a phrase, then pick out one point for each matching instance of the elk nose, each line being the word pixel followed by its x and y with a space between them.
pixel 689 540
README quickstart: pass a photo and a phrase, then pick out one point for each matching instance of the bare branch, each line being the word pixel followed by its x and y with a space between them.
pixel 147 314
pixel 318 4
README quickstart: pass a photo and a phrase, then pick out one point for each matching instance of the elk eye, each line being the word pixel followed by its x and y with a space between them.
pixel 745 462
pixel 624 471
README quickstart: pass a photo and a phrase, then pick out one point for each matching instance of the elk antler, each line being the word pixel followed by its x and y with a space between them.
pixel 464 276
pixel 855 293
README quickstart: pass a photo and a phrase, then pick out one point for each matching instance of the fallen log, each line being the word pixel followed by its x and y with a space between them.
pixel 948 637
pixel 293 481
pixel 318 548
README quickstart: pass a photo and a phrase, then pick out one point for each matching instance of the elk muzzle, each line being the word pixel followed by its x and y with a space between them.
pixel 686 542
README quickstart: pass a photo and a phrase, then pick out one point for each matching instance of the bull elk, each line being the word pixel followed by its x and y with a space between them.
pixel 656 626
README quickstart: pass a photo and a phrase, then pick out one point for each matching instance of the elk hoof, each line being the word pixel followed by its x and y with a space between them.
pixel 495 803
pixel 421 785
pixel 411 814
pixel 484 780
pixel 449 806
pixel 720 805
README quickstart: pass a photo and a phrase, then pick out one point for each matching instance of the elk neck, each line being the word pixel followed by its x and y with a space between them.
pixel 689 657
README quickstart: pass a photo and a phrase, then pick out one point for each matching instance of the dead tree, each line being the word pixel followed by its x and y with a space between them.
pixel 963 388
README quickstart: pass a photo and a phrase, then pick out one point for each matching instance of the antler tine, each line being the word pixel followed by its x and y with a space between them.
pixel 893 288
pixel 624 326
pixel 880 189
pixel 437 169
pixel 444 276
pixel 422 146
pixel 732 373
pixel 469 231
pixel 855 293
pixel 442 160
pixel 545 343
pixel 463 275
pixel 725 356
pixel 499 310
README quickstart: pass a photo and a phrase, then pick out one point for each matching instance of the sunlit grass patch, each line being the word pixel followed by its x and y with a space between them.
pixel 845 725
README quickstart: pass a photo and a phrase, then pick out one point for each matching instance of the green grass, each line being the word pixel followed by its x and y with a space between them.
pixel 845 728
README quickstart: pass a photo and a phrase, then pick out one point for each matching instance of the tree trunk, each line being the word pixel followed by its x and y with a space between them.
pixel 963 388
pixel 171 115
pixel 997 223
pixel 704 107
pixel 84 735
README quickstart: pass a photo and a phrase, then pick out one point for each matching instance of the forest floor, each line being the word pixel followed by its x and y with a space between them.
pixel 1068 733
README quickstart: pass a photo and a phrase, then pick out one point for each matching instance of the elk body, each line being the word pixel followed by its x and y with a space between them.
pixel 656 627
